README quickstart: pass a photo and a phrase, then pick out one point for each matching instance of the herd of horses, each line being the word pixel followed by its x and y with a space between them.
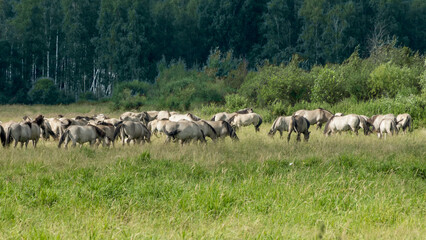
pixel 139 127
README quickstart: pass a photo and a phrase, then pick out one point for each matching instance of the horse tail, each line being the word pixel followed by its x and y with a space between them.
pixel 51 133
pixel 99 131
pixel 2 136
pixel 308 124
pixel 117 130
pixel 410 123
pixel 172 133
pixel 64 136
pixel 327 125
pixel 393 126
pixel 9 136
pixel 258 123
pixel 363 125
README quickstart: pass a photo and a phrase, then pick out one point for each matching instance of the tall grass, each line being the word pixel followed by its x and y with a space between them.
pixel 343 186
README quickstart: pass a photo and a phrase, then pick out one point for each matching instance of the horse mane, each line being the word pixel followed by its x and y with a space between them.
pixel 244 111
pixel 99 131
pixel 26 118
pixel 328 124
pixel 275 122
pixel 105 124
pixel 39 120
pixel 29 124
pixel 60 116
pixel 212 128
pixel 232 118
pixel 67 124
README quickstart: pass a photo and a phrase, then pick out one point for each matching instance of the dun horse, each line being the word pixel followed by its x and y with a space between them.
pixel 317 116
pixel 280 124
pixel 81 134
pixel 299 125
pixel 241 120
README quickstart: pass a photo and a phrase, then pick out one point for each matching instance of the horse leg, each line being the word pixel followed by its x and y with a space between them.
pixel 281 133
pixel 319 125
pixel 289 134
pixel 298 136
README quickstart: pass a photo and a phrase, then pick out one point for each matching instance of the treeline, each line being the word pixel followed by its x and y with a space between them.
pixel 87 47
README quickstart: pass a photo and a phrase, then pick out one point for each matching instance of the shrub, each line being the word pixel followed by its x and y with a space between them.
pixel 353 73
pixel 130 95
pixel 45 91
pixel 387 80
pixel 181 89
pixel 235 102
pixel 288 84
pixel 327 86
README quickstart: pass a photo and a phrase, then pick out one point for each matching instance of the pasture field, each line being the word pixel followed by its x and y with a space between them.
pixel 340 187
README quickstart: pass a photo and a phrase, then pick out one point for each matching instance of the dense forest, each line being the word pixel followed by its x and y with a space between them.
pixel 261 51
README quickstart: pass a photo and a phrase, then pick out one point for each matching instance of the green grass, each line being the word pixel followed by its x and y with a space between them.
pixel 345 187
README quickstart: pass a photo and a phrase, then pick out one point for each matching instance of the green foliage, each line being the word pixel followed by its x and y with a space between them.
pixel 182 89
pixel 387 80
pixel 45 92
pixel 327 86
pixel 354 73
pixel 288 84
pixel 235 102
pixel 130 95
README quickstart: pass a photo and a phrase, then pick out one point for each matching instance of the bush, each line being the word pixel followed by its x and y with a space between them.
pixel 235 102
pixel 288 84
pixel 387 80
pixel 327 86
pixel 130 95
pixel 45 91
pixel 181 89
pixel 354 73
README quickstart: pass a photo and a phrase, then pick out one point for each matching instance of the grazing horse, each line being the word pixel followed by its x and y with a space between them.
pixel 317 116
pixel 241 120
pixel 280 124
pixel 113 121
pixel 224 116
pixel 188 117
pixel 81 134
pixel 299 125
pixel 109 129
pixel 56 126
pixel 36 129
pixel 364 122
pixel 404 122
pixel 135 131
pixel 163 115
pixel 185 131
pixel 387 126
pixel 20 132
pixel 135 117
pixel 345 123
pixel 375 120
pixel 223 129
pixel 207 129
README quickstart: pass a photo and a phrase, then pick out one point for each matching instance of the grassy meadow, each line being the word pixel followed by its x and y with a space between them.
pixel 340 187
